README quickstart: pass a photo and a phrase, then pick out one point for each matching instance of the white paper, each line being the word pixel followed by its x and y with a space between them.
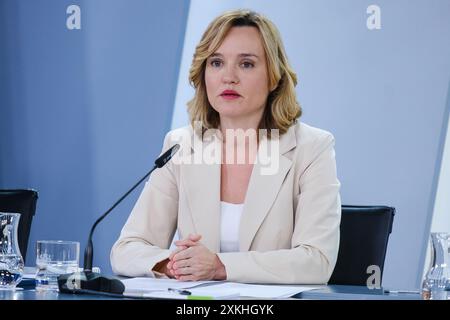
pixel 145 285
pixel 255 290
pixel 157 287
pixel 209 294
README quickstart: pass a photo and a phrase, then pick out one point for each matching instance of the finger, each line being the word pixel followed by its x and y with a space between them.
pixel 186 242
pixel 182 241
pixel 195 237
pixel 183 254
pixel 187 278
pixel 182 264
pixel 184 271
pixel 178 249
pixel 190 240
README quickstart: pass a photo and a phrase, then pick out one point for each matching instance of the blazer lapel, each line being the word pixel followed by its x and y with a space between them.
pixel 263 189
pixel 201 181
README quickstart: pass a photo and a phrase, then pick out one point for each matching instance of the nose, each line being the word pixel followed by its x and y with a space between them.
pixel 229 75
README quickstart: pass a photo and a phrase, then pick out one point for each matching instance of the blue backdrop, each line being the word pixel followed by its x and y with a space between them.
pixel 84 112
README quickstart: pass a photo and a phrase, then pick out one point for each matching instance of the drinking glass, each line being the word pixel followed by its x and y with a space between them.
pixel 54 258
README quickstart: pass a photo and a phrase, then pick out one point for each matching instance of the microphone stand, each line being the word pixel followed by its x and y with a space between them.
pixel 89 251
pixel 91 282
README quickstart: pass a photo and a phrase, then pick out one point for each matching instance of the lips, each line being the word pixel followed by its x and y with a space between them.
pixel 230 94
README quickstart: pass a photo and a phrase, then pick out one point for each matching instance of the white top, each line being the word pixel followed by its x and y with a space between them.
pixel 230 220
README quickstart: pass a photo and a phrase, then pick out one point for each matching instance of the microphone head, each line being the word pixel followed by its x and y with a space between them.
pixel 166 156
pixel 79 282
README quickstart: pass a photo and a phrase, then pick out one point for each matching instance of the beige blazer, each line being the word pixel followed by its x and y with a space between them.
pixel 289 231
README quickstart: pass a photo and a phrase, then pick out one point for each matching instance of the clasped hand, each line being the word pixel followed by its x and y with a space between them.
pixel 192 261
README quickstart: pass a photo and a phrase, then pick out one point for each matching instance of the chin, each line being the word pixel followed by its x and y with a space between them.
pixel 231 113
pixel 230 110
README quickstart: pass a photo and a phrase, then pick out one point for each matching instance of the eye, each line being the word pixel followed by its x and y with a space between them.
pixel 247 64
pixel 215 63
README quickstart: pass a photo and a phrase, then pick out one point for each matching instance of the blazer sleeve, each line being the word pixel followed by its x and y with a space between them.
pixel 148 232
pixel 315 239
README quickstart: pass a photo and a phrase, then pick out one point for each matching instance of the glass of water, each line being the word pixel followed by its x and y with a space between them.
pixel 54 258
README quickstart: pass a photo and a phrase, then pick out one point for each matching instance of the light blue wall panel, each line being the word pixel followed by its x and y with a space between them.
pixel 382 93
pixel 84 112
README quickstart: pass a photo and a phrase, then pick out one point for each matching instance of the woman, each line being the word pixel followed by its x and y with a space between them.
pixel 236 221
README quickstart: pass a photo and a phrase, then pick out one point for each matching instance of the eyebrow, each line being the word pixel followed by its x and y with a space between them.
pixel 241 55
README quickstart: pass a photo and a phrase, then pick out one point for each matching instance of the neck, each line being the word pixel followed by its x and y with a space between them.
pixel 239 147
pixel 250 122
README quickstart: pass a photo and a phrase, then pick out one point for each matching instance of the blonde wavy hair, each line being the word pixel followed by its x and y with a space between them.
pixel 282 108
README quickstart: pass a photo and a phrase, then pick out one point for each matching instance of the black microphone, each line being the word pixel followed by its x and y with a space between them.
pixel 91 282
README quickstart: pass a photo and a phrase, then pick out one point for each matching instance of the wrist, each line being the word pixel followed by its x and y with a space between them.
pixel 220 273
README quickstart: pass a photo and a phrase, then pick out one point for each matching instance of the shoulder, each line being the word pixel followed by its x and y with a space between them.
pixel 180 135
pixel 306 134
pixel 179 132
pixel 309 141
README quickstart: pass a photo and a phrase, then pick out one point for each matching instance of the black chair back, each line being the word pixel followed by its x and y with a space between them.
pixel 23 202
pixel 364 238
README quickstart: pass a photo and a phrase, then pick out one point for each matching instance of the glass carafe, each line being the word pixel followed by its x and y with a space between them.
pixel 436 284
pixel 11 262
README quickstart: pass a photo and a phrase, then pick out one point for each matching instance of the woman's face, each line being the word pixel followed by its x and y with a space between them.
pixel 236 75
